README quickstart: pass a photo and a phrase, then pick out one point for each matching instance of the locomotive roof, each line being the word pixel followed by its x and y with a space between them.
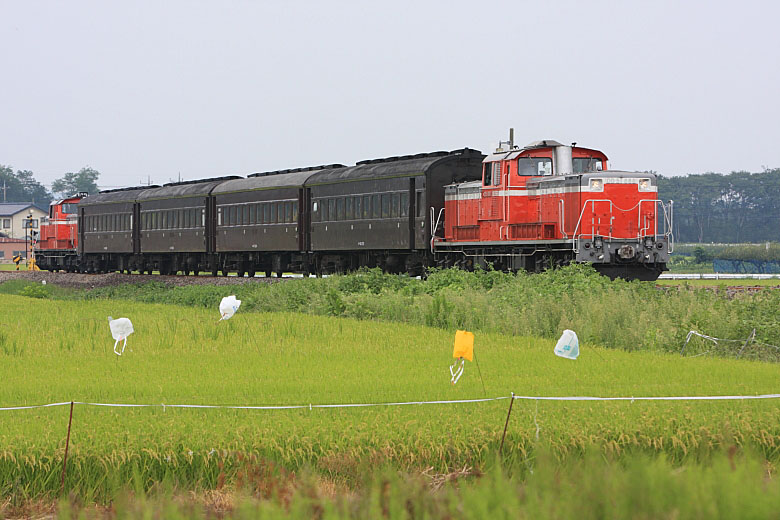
pixel 261 182
pixel 185 189
pixel 402 166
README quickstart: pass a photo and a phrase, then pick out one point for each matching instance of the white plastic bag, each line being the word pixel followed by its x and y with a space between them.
pixel 120 329
pixel 568 346
pixel 228 307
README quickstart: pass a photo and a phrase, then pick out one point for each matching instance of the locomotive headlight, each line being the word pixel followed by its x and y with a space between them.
pixel 596 185
pixel 644 185
pixel 597 242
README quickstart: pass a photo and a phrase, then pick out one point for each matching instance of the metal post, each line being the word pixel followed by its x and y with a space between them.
pixel 747 341
pixel 506 424
pixel 67 443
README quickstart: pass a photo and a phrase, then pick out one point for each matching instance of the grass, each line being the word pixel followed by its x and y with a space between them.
pixel 730 282
pixel 56 350
pixel 619 315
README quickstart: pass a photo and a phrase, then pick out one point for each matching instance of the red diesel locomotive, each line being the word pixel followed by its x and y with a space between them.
pixel 58 241
pixel 548 204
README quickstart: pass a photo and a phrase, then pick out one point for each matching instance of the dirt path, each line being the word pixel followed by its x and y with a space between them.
pixel 90 281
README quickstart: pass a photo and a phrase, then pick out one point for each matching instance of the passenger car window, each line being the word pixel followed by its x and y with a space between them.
pixel 386 205
pixel 376 207
pixel 404 204
pixel 394 205
pixel 366 206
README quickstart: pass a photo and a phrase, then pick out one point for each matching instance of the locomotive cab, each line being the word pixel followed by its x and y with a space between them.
pixel 57 246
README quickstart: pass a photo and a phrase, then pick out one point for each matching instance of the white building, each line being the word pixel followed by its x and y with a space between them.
pixel 13 216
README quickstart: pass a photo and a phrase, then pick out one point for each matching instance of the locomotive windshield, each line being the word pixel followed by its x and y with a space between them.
pixel 586 164
pixel 534 166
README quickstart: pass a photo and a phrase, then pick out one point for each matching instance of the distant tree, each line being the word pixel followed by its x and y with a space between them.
pixel 21 187
pixel 738 207
pixel 72 183
pixel 34 191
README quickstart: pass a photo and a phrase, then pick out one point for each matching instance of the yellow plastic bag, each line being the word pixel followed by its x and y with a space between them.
pixel 464 345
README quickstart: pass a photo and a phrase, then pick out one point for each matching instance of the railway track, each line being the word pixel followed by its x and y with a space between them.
pixel 91 281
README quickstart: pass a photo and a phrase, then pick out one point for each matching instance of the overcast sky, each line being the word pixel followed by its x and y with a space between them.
pixel 203 89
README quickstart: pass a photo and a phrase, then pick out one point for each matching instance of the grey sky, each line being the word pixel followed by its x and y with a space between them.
pixel 207 89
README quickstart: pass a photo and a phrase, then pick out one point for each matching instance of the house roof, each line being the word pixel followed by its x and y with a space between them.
pixel 8 209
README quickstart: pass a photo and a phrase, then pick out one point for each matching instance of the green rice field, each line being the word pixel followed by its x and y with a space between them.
pixel 62 350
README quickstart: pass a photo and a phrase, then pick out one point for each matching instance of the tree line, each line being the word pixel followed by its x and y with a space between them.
pixel 735 208
pixel 21 186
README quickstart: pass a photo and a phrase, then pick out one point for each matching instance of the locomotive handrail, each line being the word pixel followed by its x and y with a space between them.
pixel 640 230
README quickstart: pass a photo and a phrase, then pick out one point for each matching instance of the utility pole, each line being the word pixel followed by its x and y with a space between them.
pixel 4 190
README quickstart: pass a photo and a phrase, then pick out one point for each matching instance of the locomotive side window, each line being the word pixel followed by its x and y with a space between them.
pixel 534 166
pixel 586 164
pixel 404 204
pixel 487 179
pixel 496 173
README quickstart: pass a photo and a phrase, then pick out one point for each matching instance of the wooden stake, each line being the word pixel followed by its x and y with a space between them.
pixel 511 402
pixel 67 443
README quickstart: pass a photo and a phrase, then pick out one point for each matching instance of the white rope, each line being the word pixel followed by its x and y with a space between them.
pixel 660 398
pixel 405 403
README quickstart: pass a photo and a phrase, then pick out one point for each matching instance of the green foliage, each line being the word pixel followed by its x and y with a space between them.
pixel 35 291
pixel 733 485
pixel 71 183
pixel 752 252
pixel 700 255
pixel 736 208
pixel 22 187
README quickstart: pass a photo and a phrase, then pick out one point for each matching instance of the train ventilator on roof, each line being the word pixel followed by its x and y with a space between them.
pixel 464 349
pixel 120 329
pixel 228 307
pixel 568 346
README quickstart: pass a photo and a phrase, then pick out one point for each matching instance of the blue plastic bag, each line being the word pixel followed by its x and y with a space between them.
pixel 568 346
